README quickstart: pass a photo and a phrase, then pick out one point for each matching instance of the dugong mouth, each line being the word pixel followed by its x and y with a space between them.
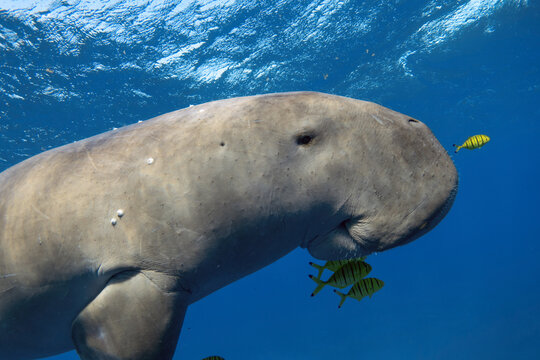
pixel 361 236
pixel 342 242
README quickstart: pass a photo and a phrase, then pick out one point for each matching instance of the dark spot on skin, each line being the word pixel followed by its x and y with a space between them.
pixel 222 144
pixel 304 139
pixel 413 121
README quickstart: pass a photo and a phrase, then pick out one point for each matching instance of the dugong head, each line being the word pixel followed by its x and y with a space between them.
pixel 368 178
pixel 386 177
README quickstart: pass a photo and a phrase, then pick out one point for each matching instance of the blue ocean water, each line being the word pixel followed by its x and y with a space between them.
pixel 467 290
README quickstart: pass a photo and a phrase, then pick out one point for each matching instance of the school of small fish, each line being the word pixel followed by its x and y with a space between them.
pixel 347 272
pixel 474 142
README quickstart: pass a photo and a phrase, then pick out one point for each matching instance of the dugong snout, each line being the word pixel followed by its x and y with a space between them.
pixel 407 185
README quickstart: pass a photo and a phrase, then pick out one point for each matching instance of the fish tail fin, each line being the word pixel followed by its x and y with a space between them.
pixel 457 148
pixel 342 296
pixel 318 267
pixel 320 285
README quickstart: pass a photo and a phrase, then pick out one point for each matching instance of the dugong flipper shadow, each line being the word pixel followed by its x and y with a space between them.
pixel 105 242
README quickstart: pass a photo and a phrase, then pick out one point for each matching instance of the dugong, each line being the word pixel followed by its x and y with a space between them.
pixel 105 242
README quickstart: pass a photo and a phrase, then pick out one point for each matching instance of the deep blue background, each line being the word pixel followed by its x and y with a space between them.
pixel 467 290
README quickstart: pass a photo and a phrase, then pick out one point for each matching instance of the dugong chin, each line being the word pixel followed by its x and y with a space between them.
pixel 105 242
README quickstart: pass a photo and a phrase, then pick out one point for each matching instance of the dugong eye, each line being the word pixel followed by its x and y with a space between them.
pixel 304 139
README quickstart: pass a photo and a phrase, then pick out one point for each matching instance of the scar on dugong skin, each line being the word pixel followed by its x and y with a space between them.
pixel 193 200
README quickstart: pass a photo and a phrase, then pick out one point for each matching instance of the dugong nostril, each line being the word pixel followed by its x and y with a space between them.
pixel 304 139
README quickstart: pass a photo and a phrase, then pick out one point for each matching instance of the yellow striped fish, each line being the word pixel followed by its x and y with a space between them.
pixel 214 357
pixel 346 275
pixel 333 265
pixel 474 142
pixel 363 288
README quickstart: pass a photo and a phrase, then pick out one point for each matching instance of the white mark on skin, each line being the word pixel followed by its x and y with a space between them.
pixel 202 110
pixel 377 119
pixel 120 213
pixel 40 212
pixel 100 270
pixel 150 161
pixel 113 221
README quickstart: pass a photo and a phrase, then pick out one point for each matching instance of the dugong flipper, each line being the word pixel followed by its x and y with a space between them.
pixel 105 242
pixel 134 317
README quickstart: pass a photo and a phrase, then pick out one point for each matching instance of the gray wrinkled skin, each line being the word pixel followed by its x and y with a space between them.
pixel 210 194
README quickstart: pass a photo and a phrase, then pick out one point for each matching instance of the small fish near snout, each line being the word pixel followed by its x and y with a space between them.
pixel 474 142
